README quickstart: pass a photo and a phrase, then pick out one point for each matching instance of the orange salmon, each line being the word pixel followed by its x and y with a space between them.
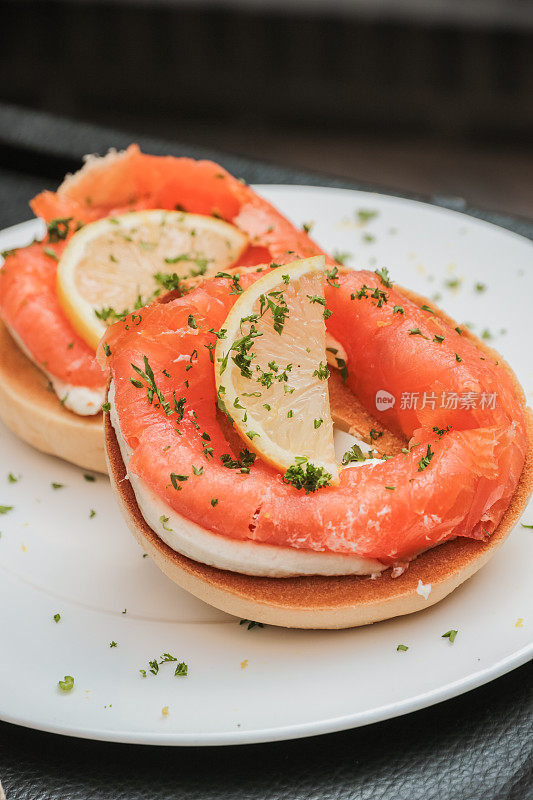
pixel 109 186
pixel 455 479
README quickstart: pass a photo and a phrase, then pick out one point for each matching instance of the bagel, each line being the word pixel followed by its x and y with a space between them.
pixel 317 601
pixel 30 409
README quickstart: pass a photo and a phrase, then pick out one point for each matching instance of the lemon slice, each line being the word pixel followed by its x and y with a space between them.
pixel 271 373
pixel 109 267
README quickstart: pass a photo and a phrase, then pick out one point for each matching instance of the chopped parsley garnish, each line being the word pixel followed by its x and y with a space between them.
pixel 251 624
pixel 317 423
pixel 458 358
pixel 374 435
pixel 58 228
pixel 89 478
pixel 113 644
pixel 13 478
pixel 268 378
pixel 106 406
pixel 192 322
pixel 343 369
pixel 376 294
pixel 214 501
pixel 398 310
pixel 66 684
pixel 307 227
pixel 180 671
pixel 169 282
pixel 201 263
pixel 236 287
pixel 453 283
pixel 107 350
pixel 109 314
pixel 416 332
pixel 92 513
pixel 332 277
pixel 450 635
pixel 365 214
pixel 50 253
pixel 163 520
pixel 341 257
pixel 425 461
pixel 151 387
pixel 174 478
pixel 523 524
pixel 166 657
pixel 427 308
pixel 439 339
pixel 277 305
pixel 242 358
pixel 147 245
pixel 309 478
pixel 402 647
pixel 480 287
pixel 55 485
pixel 441 431
pixel 391 488
pixel 198 470
pixel 316 298
pixel 353 454
pixel 459 331
pixel 322 373
pixel 56 617
pixel 383 275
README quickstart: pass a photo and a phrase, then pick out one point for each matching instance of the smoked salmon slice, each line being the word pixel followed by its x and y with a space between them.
pixel 109 186
pixel 454 478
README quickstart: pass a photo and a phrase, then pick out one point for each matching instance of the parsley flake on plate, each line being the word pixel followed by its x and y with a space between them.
pixel 450 635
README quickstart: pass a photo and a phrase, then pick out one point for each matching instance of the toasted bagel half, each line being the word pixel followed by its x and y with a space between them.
pixel 325 601
pixel 33 412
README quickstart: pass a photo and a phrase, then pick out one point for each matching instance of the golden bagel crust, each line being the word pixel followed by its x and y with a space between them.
pixel 34 413
pixel 320 601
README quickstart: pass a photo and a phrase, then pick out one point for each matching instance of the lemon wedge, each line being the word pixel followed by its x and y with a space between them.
pixel 271 373
pixel 120 263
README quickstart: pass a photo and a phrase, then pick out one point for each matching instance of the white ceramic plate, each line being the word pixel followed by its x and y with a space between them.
pixel 260 684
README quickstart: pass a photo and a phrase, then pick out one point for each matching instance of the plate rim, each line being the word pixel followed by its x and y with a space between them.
pixel 299 730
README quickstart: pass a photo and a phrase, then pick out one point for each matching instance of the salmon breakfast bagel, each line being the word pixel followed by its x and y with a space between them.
pixel 219 424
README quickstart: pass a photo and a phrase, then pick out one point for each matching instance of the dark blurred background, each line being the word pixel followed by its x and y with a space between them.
pixel 426 96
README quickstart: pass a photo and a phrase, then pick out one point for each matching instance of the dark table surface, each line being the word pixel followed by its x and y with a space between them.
pixel 478 746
